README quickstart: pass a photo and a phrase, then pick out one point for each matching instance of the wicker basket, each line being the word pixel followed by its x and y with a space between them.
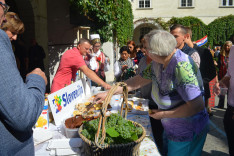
pixel 97 147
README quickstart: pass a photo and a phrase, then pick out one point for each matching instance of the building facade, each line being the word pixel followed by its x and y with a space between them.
pixel 146 11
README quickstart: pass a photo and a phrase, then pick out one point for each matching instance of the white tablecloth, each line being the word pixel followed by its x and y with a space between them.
pixel 147 148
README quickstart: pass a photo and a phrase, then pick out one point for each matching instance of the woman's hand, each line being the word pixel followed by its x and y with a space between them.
pixel 157 114
pixel 100 97
pixel 188 109
pixel 215 63
pixel 217 86
pixel 106 86
pixel 216 89
pixel 224 83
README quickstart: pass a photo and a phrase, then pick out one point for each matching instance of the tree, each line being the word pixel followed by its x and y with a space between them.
pixel 111 18
pixel 199 29
pixel 221 30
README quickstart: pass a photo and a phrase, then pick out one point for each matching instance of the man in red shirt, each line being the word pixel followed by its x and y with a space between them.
pixel 72 61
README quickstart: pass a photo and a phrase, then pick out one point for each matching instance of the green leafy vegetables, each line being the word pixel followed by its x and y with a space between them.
pixel 118 130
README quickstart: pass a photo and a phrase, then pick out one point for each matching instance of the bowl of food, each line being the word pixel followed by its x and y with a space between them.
pixel 72 125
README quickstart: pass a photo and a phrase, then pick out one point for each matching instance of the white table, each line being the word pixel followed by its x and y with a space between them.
pixel 147 148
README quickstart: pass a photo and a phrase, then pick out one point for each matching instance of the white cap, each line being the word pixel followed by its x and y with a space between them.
pixel 94 36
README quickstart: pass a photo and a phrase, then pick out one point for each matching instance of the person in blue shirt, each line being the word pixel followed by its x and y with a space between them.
pixel 20 103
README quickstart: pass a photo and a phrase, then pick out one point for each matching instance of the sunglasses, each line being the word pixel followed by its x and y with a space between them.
pixel 5 7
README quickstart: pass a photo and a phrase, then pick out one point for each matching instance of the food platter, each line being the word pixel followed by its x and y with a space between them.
pixel 138 105
pixel 88 108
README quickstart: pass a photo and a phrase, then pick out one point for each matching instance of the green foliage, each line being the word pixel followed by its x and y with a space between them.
pixel 112 132
pixel 114 18
pixel 199 29
pixel 109 16
pixel 118 130
pixel 220 30
pixel 123 21
pixel 162 23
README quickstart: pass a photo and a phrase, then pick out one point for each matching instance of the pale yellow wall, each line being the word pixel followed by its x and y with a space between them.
pixel 206 10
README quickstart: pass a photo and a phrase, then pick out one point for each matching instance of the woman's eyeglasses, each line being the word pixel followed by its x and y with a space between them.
pixel 5 7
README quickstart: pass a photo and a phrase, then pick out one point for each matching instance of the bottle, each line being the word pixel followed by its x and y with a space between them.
pixel 77 77
pixel 72 81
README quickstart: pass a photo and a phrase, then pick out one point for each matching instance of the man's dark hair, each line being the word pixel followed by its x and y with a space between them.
pixel 182 28
pixel 124 48
pixel 83 40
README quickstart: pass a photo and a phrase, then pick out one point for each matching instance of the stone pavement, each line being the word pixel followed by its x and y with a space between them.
pixel 216 141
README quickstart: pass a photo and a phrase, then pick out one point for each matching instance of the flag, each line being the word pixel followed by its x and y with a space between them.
pixel 202 41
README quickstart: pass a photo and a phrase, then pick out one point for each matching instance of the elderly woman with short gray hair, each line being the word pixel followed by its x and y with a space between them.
pixel 177 90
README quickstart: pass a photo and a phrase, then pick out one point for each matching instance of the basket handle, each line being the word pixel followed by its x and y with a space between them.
pixel 102 119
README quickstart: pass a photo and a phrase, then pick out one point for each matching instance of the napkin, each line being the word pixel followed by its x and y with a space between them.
pixel 66 151
pixel 65 143
pixel 41 135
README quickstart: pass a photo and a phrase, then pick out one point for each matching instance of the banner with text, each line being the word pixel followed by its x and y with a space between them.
pixel 62 102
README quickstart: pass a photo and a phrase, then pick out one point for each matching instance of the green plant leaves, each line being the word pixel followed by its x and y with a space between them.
pixel 134 137
pixel 112 132
pixel 109 16
pixel 218 31
pixel 114 18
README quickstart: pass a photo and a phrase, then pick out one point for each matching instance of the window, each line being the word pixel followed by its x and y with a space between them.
pixel 227 3
pixel 186 3
pixel 145 30
pixel 144 3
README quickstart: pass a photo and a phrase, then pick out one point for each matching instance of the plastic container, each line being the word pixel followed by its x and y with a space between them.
pixel 43 120
pixel 77 77
pixel 71 132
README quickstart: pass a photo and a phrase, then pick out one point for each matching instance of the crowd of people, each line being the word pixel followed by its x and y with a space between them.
pixel 26 60
pixel 167 68
pixel 162 83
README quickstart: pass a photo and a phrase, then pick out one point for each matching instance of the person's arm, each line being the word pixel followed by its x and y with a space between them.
pixel 210 71
pixel 20 103
pixel 187 85
pixel 93 76
pixel 189 109
pixel 132 84
pixel 224 82
pixel 137 82
pixel 196 58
